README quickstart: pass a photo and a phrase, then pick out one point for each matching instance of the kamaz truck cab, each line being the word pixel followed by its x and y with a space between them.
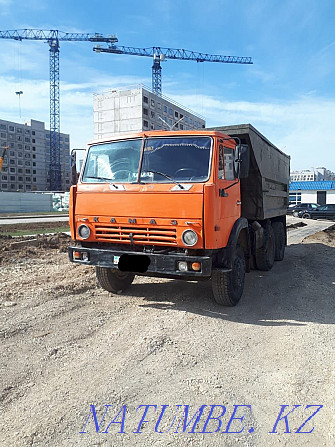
pixel 169 204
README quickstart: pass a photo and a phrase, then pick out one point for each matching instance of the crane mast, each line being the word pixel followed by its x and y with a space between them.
pixel 55 171
pixel 53 37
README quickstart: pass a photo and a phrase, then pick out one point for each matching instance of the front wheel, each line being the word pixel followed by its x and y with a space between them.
pixel 306 216
pixel 114 280
pixel 228 287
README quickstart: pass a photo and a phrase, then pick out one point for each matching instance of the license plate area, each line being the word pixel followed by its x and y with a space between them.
pixel 116 260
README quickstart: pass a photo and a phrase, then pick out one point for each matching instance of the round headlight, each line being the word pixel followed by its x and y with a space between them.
pixel 84 231
pixel 189 237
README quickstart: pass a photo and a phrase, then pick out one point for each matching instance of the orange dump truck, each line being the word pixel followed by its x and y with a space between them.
pixel 192 205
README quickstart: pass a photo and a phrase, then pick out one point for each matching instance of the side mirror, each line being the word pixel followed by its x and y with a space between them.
pixel 74 174
pixel 242 162
pixel 74 165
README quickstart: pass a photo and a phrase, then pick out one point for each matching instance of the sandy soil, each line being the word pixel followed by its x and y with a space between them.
pixel 67 344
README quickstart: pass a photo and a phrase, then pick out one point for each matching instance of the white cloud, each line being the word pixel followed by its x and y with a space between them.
pixel 76 103
pixel 302 128
pixel 20 58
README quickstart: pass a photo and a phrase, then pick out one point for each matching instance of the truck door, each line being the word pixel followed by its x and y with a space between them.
pixel 228 198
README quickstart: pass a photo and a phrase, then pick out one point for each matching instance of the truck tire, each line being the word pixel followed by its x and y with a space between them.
pixel 279 232
pixel 228 287
pixel 114 280
pixel 265 256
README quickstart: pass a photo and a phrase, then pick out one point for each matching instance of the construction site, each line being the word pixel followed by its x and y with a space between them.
pixel 154 350
pixel 67 344
pixel 154 288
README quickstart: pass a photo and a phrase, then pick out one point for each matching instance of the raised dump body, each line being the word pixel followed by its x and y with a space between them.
pixel 265 192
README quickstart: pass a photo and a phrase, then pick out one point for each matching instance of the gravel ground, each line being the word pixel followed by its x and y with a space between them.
pixel 67 344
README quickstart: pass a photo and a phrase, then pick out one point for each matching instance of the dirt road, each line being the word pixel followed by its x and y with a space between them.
pixel 67 344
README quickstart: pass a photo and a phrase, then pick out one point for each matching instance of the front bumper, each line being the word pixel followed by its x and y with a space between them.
pixel 159 265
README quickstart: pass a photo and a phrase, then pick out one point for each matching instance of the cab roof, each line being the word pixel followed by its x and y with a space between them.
pixel 161 133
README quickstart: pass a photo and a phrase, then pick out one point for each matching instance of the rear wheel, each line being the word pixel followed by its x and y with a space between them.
pixel 114 280
pixel 279 232
pixel 228 287
pixel 265 256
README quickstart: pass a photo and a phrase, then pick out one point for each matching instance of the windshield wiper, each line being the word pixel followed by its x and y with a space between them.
pixel 166 176
pixel 103 178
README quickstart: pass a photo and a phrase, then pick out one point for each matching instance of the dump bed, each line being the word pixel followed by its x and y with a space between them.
pixel 265 192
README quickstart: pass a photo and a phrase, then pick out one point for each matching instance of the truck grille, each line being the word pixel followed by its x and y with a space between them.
pixel 140 235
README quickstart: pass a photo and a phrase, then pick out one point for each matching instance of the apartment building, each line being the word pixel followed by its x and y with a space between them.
pixel 312 175
pixel 139 109
pixel 26 164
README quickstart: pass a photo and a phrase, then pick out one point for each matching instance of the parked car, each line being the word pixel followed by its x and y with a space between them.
pixel 321 212
pixel 290 209
pixel 301 207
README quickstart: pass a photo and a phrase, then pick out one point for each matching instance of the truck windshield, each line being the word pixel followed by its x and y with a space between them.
pixel 165 159
pixel 176 158
pixel 116 162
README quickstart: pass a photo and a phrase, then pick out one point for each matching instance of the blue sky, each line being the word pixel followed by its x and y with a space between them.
pixel 288 93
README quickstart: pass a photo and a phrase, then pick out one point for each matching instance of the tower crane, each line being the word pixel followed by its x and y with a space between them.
pixel 159 54
pixel 53 37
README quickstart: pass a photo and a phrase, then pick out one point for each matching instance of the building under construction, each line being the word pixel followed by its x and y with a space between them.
pixel 139 109
pixel 26 165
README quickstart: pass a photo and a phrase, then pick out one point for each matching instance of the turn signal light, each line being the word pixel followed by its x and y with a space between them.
pixel 80 256
pixel 196 266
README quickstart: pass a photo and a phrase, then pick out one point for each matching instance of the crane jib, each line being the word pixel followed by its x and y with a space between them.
pixel 170 53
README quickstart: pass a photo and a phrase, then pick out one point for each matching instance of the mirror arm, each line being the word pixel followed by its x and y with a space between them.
pixel 233 184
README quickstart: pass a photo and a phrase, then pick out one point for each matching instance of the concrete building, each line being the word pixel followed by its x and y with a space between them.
pixel 138 109
pixel 325 174
pixel 26 164
pixel 312 175
pixel 321 192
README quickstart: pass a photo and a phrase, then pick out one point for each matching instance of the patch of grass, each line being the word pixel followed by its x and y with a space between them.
pixel 33 232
